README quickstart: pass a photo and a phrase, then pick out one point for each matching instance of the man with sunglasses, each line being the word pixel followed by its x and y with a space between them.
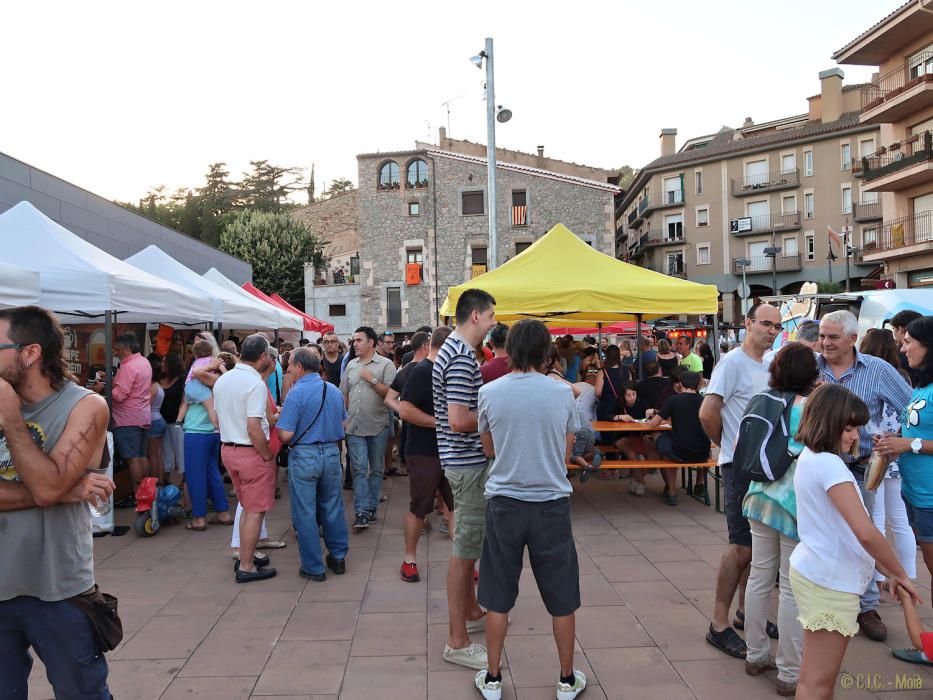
pixel 386 346
pixel 51 432
pixel 738 376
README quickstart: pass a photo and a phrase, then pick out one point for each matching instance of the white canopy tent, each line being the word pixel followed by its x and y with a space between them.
pixel 81 282
pixel 286 318
pixel 18 286
pixel 230 309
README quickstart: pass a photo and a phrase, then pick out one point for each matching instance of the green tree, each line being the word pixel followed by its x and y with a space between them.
pixel 311 185
pixel 266 187
pixel 626 176
pixel 277 247
pixel 338 186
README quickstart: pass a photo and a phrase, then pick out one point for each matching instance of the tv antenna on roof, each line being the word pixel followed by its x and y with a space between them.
pixel 447 105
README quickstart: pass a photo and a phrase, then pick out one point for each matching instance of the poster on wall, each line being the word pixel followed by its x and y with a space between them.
pixel 86 347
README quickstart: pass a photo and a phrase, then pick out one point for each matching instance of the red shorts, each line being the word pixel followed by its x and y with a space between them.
pixel 252 476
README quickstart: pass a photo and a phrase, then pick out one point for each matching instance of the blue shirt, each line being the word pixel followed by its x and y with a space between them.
pixel 876 383
pixel 917 470
pixel 274 382
pixel 301 406
pixel 196 418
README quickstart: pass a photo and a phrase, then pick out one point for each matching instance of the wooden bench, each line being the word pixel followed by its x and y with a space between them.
pixel 687 475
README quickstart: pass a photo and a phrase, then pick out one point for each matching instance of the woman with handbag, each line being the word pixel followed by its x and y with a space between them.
pixel 610 382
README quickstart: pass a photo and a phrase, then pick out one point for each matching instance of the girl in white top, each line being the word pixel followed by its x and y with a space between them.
pixel 839 545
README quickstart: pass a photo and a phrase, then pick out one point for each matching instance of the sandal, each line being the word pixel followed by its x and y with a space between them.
pixel 189 525
pixel 217 521
pixel 727 642
pixel 739 624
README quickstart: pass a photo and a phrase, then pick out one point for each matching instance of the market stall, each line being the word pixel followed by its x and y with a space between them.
pixel 18 286
pixel 287 319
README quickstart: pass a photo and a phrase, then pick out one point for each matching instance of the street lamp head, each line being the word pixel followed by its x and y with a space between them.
pixel 503 114
pixel 477 60
pixel 743 262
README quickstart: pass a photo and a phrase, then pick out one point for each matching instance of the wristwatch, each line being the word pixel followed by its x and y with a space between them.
pixel 374 381
pixel 916 445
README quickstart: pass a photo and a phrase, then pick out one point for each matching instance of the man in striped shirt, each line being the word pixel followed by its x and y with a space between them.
pixel 456 381
pixel 876 382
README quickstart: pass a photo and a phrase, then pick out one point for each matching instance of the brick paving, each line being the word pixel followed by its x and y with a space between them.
pixel 647 578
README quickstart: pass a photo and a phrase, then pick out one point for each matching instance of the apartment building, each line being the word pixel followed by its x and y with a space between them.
pixel 758 199
pixel 421 218
pixel 899 102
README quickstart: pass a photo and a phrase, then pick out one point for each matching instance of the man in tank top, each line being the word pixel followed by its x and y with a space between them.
pixel 51 432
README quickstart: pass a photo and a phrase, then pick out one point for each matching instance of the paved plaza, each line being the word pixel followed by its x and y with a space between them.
pixel 647 577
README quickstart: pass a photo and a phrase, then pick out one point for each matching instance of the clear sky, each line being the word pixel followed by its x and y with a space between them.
pixel 120 96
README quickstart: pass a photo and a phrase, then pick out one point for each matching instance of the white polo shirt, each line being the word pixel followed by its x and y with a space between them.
pixel 240 394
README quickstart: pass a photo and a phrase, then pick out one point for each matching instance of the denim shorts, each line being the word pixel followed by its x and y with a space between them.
pixel 735 487
pixel 921 520
pixel 131 441
pixel 158 428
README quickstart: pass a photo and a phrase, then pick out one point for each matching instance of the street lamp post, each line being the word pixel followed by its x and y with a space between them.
pixel 744 263
pixel 493 114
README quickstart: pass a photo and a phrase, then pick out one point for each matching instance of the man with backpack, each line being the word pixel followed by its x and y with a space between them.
pixel 738 376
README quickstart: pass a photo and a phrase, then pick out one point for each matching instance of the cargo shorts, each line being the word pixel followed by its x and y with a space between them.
pixel 469 489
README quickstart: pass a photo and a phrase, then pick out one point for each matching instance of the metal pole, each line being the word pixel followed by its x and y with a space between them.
pixel 641 357
pixel 745 290
pixel 716 337
pixel 108 355
pixel 492 253
pixel 773 266
pixel 845 242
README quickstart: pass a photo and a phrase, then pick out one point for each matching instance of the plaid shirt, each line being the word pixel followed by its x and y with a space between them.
pixel 877 383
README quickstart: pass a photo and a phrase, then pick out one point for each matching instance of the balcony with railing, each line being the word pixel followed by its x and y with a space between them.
pixel 901 165
pixel 635 218
pixel 898 238
pixel 899 93
pixel 866 211
pixel 765 182
pixel 660 237
pixel 766 223
pixel 660 200
pixel 789 262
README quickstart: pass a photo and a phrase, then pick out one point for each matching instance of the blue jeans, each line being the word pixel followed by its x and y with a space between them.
pixel 314 476
pixel 202 473
pixel 366 455
pixel 871 598
pixel 61 635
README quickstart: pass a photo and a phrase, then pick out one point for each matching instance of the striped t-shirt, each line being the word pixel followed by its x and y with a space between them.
pixel 456 378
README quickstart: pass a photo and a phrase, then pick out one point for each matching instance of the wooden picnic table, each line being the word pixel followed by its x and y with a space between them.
pixel 618 426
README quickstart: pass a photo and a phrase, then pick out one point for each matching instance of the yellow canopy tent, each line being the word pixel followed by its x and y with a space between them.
pixel 560 279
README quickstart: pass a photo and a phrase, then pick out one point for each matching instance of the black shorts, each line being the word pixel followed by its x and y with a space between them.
pixel 426 478
pixel 735 487
pixel 546 530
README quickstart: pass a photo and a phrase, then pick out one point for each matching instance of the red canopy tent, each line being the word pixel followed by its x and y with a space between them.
pixel 320 327
pixel 619 328
pixel 311 323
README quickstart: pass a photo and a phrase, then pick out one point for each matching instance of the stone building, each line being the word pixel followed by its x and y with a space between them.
pixel 424 225
pixel 420 219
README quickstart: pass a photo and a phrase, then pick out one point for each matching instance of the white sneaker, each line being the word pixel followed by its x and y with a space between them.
pixel 565 691
pixel 491 690
pixel 477 625
pixel 632 487
pixel 472 656
pixel 639 488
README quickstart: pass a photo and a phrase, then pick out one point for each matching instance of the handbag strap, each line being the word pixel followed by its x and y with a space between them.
pixel 615 393
pixel 295 441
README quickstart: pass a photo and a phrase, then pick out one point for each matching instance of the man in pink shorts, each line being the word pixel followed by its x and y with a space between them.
pixel 240 399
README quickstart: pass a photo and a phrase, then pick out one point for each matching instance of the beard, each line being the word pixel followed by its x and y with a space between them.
pixel 15 374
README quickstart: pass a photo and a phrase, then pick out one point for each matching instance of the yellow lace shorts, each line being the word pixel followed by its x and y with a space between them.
pixel 823 608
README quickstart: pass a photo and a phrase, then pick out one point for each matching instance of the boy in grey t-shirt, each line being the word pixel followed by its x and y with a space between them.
pixel 526 421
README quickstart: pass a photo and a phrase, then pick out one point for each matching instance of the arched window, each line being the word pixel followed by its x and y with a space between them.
pixel 417 175
pixel 389 176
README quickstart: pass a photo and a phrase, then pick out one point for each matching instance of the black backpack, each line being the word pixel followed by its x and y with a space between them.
pixel 764 433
